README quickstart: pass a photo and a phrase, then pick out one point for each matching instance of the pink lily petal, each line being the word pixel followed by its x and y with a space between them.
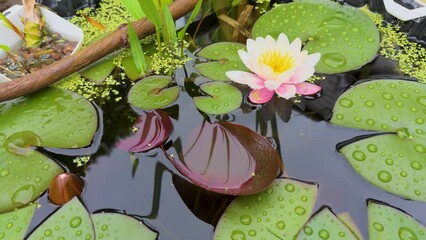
pixel 286 91
pixel 307 88
pixel 261 95
pixel 272 84
pixel 246 78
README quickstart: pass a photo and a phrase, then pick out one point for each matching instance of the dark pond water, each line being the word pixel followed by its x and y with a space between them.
pixel 307 144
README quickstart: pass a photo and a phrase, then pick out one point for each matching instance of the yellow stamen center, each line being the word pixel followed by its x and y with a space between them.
pixel 277 61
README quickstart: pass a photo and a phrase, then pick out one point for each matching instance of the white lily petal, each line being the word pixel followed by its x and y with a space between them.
pixel 296 44
pixel 286 76
pixel 286 91
pixel 283 40
pixel 248 61
pixel 312 60
pixel 302 74
pixel 246 78
pixel 272 85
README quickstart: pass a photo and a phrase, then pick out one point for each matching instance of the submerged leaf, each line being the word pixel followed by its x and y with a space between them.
pixel 49 118
pixel 224 98
pixel 386 222
pixel 14 224
pixel 345 36
pixel 151 93
pixel 276 213
pixel 394 161
pixel 69 222
pixel 325 225
pixel 228 158
pixel 118 226
pixel 225 58
pixel 153 128
pixel 99 71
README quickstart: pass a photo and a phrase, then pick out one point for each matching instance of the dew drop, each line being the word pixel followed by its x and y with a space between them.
pixel 104 227
pixel 358 155
pixel 238 235
pixel 4 173
pixel 334 60
pixel 48 233
pixel 378 226
pixel 342 234
pixel 384 176
pixel 405 233
pixel 308 230
pixel 75 222
pixel 420 121
pixel 372 148
pixel 403 174
pixel 78 233
pixel 24 194
pixel 346 102
pixel 300 210
pixel 371 122
pixel 416 165
pixel 280 225
pixel 290 187
pixel 245 220
pixel 420 148
pixel 417 192
pixel 252 233
pixel 339 116
pixel 387 96
pixel 324 234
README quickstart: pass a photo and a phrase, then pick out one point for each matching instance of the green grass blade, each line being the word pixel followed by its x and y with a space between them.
pixel 136 48
pixel 5 48
pixel 194 14
pixel 151 12
pixel 11 25
pixel 169 23
pixel 134 8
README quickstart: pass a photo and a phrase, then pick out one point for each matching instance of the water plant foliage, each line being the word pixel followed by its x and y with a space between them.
pixel 345 36
pixel 14 224
pixel 65 120
pixel 394 160
pixel 222 98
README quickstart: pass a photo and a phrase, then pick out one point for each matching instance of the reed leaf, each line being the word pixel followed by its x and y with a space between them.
pixel 151 12
pixel 194 14
pixel 169 27
pixel 136 48
pixel 5 48
pixel 11 26
pixel 134 8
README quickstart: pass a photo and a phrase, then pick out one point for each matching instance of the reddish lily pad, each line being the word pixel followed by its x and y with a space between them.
pixel 152 93
pixel 325 225
pixel 225 58
pixel 279 212
pixel 394 161
pixel 228 158
pixel 14 224
pixel 72 221
pixel 49 118
pixel 224 98
pixel 153 128
pixel 345 36
pixel 112 226
pixel 386 222
pixel 65 187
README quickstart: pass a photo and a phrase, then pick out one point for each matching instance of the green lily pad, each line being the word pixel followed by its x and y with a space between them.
pixel 130 68
pixel 14 225
pixel 152 93
pixel 118 226
pixel 386 222
pixel 49 118
pixel 279 212
pixel 345 36
pixel 72 221
pixel 325 225
pixel 225 58
pixel 224 98
pixel 394 161
pixel 346 219
pixel 99 71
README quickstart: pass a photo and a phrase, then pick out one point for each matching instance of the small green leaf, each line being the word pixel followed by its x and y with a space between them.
pixel 118 226
pixel 279 212
pixel 70 222
pixel 14 224
pixel 386 222
pixel 99 71
pixel 224 98
pixel 325 225
pixel 151 93
pixel 345 36
pixel 151 12
pixel 5 48
pixel 136 48
pixel 225 58
pixel 169 24
pixel 392 161
pixel 134 8
pixel 194 14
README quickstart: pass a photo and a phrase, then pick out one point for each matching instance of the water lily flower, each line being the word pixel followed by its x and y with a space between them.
pixel 278 66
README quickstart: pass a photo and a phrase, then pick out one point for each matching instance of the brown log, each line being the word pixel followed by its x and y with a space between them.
pixel 44 77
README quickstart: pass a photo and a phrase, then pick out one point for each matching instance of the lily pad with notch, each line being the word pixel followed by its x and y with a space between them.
pixel 153 93
pixel 14 224
pixel 395 160
pixel 345 36
pixel 224 57
pixel 228 158
pixel 279 212
pixel 70 221
pixel 386 222
pixel 119 226
pixel 224 98
pixel 325 225
pixel 53 118
pixel 99 71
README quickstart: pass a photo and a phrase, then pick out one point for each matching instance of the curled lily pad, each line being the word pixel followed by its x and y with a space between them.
pixel 153 128
pixel 99 71
pixel 14 224
pixel 325 225
pixel 224 98
pixel 386 222
pixel 224 56
pixel 279 212
pixel 228 158
pixel 118 226
pixel 49 118
pixel 394 161
pixel 345 36
pixel 152 93
pixel 70 222
pixel 65 187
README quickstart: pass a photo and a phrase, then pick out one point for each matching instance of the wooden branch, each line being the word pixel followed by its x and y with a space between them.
pixel 71 64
